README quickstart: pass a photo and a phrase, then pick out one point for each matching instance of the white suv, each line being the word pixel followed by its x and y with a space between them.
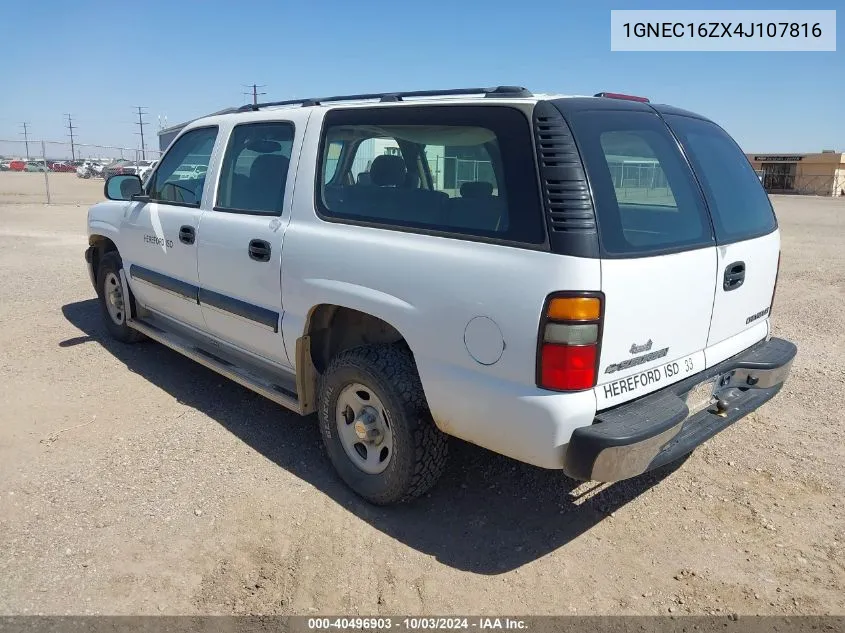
pixel 581 283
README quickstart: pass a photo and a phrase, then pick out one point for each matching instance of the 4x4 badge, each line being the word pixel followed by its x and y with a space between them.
pixel 638 349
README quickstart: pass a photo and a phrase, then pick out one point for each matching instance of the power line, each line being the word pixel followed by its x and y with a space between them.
pixel 71 128
pixel 255 94
pixel 26 137
pixel 141 123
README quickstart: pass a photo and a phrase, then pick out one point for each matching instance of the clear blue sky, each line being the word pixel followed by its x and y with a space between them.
pixel 186 58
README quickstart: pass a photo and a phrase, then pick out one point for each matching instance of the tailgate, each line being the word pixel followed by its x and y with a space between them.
pixel 746 233
pixel 659 257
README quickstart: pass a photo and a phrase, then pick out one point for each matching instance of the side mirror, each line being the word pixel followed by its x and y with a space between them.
pixel 123 187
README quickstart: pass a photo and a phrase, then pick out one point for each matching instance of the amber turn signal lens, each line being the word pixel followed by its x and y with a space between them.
pixel 574 309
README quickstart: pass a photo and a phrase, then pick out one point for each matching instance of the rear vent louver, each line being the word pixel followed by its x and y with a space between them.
pixel 566 194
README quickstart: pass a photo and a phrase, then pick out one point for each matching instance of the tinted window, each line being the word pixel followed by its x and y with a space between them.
pixel 255 168
pixel 737 201
pixel 333 150
pixel 646 198
pixel 466 170
pixel 180 176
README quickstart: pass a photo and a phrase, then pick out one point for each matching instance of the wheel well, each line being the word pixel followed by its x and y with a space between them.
pixel 103 245
pixel 333 329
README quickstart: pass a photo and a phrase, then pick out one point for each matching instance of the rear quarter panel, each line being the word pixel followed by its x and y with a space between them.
pixel 430 288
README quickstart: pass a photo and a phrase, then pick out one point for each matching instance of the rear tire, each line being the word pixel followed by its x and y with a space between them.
pixel 376 425
pixel 113 304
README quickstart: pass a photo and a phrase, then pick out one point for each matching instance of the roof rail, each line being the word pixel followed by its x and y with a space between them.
pixel 498 91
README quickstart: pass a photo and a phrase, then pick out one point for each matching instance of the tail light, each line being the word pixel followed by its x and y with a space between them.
pixel 569 339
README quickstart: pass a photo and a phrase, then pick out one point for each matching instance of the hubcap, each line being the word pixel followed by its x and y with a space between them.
pixel 114 298
pixel 364 428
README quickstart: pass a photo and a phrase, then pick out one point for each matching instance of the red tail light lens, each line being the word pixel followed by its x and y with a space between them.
pixel 570 333
pixel 568 367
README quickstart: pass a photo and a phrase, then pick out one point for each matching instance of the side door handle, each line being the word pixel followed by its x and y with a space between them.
pixel 259 250
pixel 187 234
pixel 734 276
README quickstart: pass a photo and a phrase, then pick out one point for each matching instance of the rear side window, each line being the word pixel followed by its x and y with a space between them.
pixel 255 168
pixel 451 170
pixel 737 201
pixel 646 199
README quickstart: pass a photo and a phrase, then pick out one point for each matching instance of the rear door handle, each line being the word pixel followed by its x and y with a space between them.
pixel 734 276
pixel 187 234
pixel 259 250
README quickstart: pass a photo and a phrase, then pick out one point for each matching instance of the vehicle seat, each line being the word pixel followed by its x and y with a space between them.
pixel 477 208
pixel 388 171
pixel 393 200
pixel 264 190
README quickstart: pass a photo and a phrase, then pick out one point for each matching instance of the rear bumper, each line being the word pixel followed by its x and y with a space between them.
pixel 657 429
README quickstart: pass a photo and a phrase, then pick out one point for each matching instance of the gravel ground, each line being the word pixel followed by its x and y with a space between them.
pixel 134 481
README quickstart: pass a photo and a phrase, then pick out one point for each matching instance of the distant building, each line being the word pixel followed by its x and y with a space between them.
pixel 821 174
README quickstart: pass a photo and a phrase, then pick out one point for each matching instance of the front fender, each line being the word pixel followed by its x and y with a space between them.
pixel 104 219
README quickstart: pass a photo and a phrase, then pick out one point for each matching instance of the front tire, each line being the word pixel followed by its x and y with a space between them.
pixel 114 305
pixel 376 425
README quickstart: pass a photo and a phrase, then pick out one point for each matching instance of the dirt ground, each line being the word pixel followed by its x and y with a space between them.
pixel 134 481
pixel 65 188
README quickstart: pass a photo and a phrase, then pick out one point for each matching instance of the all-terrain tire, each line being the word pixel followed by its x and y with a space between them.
pixel 419 447
pixel 107 272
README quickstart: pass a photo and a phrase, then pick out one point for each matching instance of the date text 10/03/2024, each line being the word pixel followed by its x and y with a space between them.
pixel 417 623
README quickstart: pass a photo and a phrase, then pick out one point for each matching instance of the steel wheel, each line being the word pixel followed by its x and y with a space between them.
pixel 114 298
pixel 364 428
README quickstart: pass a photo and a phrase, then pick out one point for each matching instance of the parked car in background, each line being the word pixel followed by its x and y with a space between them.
pixel 190 172
pixel 87 170
pixel 118 167
pixel 145 168
pixel 62 166
pixel 5 165
pixel 17 165
pixel 36 165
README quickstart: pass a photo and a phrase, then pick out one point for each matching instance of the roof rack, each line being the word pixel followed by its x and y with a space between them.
pixel 385 97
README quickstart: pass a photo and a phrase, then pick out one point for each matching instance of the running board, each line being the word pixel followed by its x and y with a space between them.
pixel 280 394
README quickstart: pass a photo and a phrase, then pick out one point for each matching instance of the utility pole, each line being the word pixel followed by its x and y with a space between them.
pixel 25 137
pixel 255 94
pixel 141 122
pixel 71 128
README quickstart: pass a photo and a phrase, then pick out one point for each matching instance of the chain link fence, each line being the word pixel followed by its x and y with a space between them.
pixel 58 172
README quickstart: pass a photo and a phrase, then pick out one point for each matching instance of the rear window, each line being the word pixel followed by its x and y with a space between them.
pixel 736 199
pixel 647 201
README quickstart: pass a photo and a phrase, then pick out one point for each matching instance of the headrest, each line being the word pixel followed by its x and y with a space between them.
pixel 476 189
pixel 388 171
pixel 269 166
